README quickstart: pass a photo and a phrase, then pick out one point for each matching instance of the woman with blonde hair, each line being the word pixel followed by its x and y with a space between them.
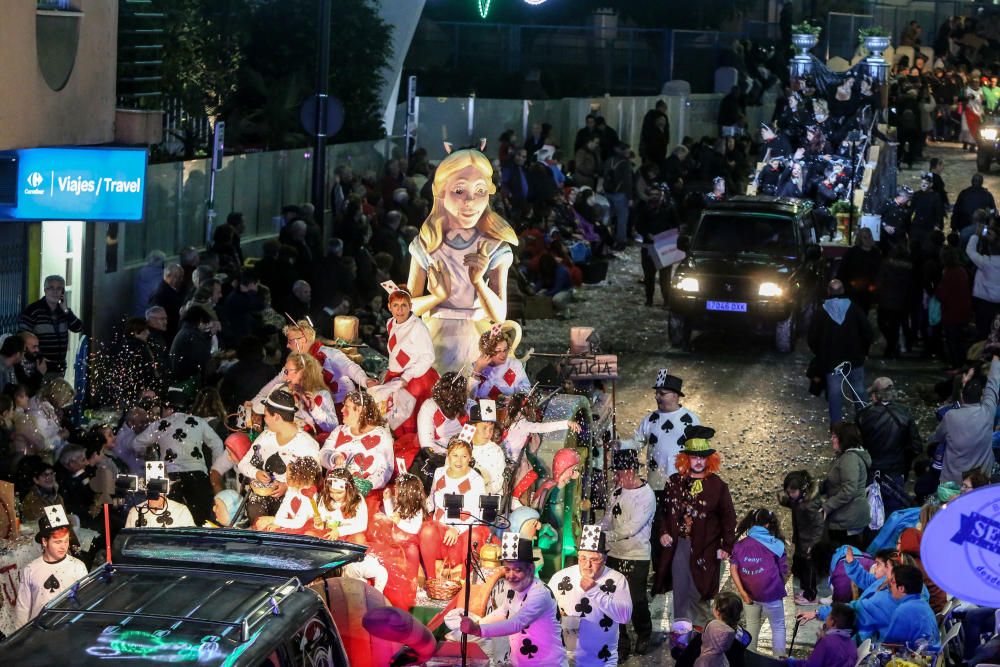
pixel 458 276
pixel 316 410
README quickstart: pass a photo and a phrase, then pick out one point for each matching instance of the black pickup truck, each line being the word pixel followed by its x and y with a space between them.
pixel 752 264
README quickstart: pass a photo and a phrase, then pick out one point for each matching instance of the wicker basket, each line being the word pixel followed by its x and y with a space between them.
pixel 443 589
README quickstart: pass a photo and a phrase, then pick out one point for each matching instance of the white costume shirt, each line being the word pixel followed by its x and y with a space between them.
pixel 629 521
pixel 296 510
pixel 356 524
pixel 340 374
pixel 174 515
pixel 372 451
pixel 411 525
pixel 179 438
pixel 411 351
pixel 503 380
pixel 470 485
pixel 491 463
pixel 661 431
pixel 320 413
pixel 517 434
pixel 531 621
pixel 41 582
pixel 590 618
pixel 265 454
pixel 434 430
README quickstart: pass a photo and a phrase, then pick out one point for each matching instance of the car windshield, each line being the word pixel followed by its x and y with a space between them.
pixel 746 234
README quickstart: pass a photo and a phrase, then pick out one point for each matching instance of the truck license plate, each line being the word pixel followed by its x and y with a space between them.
pixel 727 306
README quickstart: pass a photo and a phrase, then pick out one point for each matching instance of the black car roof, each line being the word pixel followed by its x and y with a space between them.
pixel 759 204
pixel 121 613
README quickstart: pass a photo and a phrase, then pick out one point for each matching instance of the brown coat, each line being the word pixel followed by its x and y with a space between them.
pixel 713 527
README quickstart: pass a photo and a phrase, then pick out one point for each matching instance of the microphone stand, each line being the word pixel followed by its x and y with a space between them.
pixel 503 523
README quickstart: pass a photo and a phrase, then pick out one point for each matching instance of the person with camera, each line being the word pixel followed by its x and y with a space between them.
pixel 181 439
pixel 158 511
pixel 51 321
pixel 983 249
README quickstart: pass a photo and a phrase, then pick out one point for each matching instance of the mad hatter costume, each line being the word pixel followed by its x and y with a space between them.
pixel 697 530
pixel 590 616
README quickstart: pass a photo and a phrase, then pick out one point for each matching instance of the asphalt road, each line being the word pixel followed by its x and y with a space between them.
pixel 757 400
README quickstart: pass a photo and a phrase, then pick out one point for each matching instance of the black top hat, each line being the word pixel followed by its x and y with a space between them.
pixel 625 459
pixel 665 380
pixel 698 433
pixel 53 518
pixel 513 547
pixel 484 410
pixel 177 398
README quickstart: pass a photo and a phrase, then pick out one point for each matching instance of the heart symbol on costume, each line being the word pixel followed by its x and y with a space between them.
pixel 364 462
pixel 343 437
pixel 370 441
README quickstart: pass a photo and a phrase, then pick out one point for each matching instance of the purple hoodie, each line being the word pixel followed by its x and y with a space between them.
pixel 835 649
pixel 762 573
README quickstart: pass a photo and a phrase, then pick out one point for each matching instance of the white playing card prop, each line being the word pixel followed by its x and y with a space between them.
pixel 468 431
pixel 661 377
pixel 154 470
pixel 508 546
pixel 390 287
pixel 56 516
pixel 400 465
pixel 590 538
pixel 488 410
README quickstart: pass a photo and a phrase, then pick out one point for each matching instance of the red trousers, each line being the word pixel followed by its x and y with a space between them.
pixel 420 388
pixel 432 547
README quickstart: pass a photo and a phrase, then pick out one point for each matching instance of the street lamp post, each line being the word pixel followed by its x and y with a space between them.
pixel 322 84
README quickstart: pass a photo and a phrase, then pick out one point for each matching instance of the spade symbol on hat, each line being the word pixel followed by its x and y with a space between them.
pixel 275 464
pixel 51 584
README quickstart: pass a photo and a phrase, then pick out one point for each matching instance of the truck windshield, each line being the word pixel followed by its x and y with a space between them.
pixel 736 234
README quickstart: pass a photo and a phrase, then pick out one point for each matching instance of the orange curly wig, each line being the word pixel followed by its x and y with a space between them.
pixel 713 464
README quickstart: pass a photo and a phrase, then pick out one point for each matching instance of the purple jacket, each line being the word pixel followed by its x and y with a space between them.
pixel 835 649
pixel 841 583
pixel 761 572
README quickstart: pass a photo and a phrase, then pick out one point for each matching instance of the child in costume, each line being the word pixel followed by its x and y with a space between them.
pixel 343 514
pixel 298 506
pixel 404 501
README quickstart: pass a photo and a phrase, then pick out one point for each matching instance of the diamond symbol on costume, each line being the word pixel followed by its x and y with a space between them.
pixel 565 585
pixel 605 652
pixel 438 417
pixel 440 484
pixel 495 393
pixel 402 358
pixel 609 586
pixel 509 377
pixel 179 435
pixel 687 419
pixel 318 400
pixel 606 623
pixel 465 486
pixel 438 514
pixel 583 607
pixel 275 464
pixel 528 649
pixel 370 441
pixel 392 341
pixel 51 584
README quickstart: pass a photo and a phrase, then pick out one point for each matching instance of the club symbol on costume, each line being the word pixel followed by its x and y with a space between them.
pixel 51 584
pixel 565 586
pixel 275 464
pixel 256 460
pixel 617 511
pixel 164 519
pixel 609 586
pixel 583 607
pixel 196 453
pixel 687 419
pixel 171 455
pixel 179 435
pixel 191 421
pixel 606 623
pixel 528 649
pixel 667 426
pixel 617 492
pixel 604 653
pixel 163 425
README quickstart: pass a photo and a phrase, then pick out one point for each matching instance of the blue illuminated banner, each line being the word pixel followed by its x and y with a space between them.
pixel 106 184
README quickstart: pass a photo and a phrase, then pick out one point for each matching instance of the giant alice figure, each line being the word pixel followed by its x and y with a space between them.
pixel 458 276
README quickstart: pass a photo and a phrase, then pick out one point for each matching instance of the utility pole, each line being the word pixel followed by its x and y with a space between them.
pixel 322 84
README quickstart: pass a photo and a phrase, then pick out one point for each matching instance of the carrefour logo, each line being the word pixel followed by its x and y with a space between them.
pixel 34 180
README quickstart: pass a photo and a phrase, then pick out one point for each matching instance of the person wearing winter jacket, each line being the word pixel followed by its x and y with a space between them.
pixel 758 567
pixel 845 509
pixel 801 495
pixel 986 288
pixel 890 436
pixel 835 647
pixel 909 544
pixel 840 333
pixel 955 296
pixel 966 432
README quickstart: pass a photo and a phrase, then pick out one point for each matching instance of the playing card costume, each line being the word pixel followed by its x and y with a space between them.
pixel 590 618
pixel 411 358
pixel 434 429
pixel 471 487
pixel 173 515
pixel 266 455
pixel 180 438
pixel 41 580
pixel 340 374
pixel 529 619
pixel 369 454
pixel 503 379
pixel 700 521
pixel 663 433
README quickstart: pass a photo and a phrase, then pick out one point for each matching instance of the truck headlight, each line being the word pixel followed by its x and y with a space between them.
pixel 769 289
pixel 988 133
pixel 688 284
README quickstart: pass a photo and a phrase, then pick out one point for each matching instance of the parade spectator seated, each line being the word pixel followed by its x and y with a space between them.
pixel 835 647
pixel 74 485
pixel 147 279
pixel 44 491
pixel 912 619
pixel 909 544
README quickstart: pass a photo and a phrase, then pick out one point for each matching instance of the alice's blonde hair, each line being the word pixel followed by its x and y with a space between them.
pixel 490 224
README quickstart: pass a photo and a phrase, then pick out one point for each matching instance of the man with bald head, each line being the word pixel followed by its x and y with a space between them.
pixel 839 333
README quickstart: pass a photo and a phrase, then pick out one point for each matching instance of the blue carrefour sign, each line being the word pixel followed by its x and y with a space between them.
pixel 79 184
